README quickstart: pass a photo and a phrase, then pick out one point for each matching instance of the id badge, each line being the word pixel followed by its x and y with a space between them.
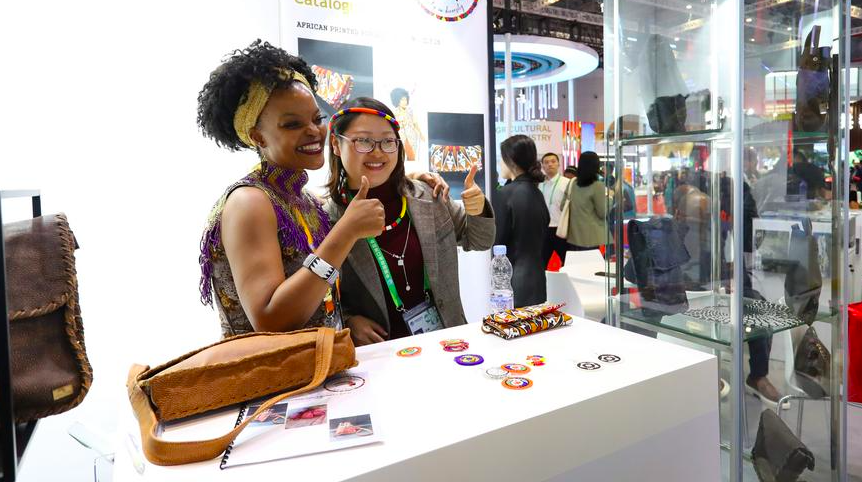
pixel 423 318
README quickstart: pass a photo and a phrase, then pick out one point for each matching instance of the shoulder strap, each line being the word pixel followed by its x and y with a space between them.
pixel 163 452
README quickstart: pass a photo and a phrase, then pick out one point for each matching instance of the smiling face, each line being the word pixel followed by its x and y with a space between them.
pixel 376 165
pixel 290 131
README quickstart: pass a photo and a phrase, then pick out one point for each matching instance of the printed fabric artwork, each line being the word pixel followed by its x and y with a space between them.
pixel 455 158
pixel 757 314
pixel 519 322
pixel 332 87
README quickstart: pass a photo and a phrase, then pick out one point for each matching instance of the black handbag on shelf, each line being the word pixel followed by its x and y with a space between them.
pixel 812 84
pixel 657 256
pixel 778 455
pixel 667 114
pixel 803 281
pixel 813 365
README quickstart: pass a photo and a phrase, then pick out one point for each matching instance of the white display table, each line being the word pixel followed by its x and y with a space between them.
pixel 652 417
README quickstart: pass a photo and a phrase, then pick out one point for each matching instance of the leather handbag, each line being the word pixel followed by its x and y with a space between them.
pixel 50 370
pixel 231 371
pixel 813 365
pixel 667 114
pixel 812 84
pixel 778 455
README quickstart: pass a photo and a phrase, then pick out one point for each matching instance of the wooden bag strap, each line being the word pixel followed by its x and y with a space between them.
pixel 163 452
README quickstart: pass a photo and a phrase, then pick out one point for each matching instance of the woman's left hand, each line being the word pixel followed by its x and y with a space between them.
pixel 472 196
pixel 434 180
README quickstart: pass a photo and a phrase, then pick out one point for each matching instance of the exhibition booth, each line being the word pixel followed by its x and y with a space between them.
pixel 730 270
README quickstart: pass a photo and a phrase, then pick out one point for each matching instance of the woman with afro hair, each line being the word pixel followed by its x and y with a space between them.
pixel 269 257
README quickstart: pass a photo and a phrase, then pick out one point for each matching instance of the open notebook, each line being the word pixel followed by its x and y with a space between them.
pixel 336 415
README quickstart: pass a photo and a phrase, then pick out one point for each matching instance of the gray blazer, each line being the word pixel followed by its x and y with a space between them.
pixel 441 225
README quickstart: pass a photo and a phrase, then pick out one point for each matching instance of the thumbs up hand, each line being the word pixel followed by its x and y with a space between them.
pixel 474 200
pixel 365 217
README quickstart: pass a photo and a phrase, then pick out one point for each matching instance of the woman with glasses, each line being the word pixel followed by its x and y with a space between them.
pixel 404 280
pixel 269 259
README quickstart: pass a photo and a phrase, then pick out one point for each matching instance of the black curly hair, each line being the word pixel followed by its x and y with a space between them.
pixel 228 85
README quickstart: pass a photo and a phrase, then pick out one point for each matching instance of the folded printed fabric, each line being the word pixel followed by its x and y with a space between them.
pixel 455 158
pixel 332 87
pixel 524 321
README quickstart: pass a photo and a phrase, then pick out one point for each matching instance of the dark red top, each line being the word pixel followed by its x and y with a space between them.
pixel 393 242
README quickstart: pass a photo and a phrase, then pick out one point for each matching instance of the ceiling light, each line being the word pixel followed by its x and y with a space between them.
pixel 631 39
pixel 749 19
pixel 673 46
pixel 789 28
pixel 688 7
pixel 752 40
pixel 676 39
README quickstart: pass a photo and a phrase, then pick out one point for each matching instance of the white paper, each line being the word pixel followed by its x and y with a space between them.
pixel 336 415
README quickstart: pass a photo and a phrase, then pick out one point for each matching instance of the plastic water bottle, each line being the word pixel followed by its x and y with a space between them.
pixel 502 297
pixel 803 190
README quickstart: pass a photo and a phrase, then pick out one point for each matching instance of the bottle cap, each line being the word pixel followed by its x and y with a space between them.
pixel 500 250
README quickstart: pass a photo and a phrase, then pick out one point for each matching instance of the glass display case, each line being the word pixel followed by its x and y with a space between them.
pixel 728 210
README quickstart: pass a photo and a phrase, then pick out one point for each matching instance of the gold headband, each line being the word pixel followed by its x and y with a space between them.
pixel 245 117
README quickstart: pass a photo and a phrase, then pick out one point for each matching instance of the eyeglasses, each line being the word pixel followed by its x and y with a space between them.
pixel 365 145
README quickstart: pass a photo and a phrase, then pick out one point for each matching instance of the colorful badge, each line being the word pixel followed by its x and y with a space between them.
pixel 496 373
pixel 454 345
pixel 409 351
pixel 608 358
pixel 469 360
pixel 517 383
pixel 515 368
pixel 536 360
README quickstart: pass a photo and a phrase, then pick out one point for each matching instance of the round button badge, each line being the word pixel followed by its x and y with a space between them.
pixel 516 368
pixel 496 373
pixel 409 351
pixel 588 365
pixel 608 358
pixel 469 360
pixel 517 383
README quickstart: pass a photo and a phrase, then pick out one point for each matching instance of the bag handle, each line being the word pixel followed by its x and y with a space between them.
pixel 163 452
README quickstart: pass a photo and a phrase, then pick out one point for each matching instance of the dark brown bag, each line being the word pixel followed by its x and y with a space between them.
pixel 50 370
pixel 813 365
pixel 778 455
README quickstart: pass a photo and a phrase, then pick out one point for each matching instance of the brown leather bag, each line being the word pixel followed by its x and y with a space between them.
pixel 50 370
pixel 231 371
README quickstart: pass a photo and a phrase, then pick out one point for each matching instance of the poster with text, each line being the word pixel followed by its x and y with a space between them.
pixel 419 57
pixel 548 136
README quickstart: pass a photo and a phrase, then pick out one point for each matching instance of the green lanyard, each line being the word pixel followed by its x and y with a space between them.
pixel 387 275
pixel 553 190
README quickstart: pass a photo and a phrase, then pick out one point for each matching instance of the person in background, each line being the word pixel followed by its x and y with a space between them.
pixel 404 280
pixel 570 173
pixel 553 189
pixel 522 219
pixel 812 175
pixel 588 208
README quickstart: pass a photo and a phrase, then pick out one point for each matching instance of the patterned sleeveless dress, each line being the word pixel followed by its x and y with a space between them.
pixel 286 192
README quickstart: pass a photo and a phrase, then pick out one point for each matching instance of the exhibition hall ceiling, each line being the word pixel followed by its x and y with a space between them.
pixel 770 25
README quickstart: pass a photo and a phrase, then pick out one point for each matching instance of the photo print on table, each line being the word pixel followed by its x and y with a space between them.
pixel 274 415
pixel 347 428
pixel 306 416
pixel 343 71
pixel 453 140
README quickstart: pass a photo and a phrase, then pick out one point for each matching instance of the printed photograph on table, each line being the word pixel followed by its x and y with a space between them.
pixel 275 415
pixel 306 416
pixel 343 71
pixel 454 145
pixel 347 428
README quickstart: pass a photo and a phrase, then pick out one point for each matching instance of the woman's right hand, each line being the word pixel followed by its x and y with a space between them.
pixel 364 331
pixel 364 218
